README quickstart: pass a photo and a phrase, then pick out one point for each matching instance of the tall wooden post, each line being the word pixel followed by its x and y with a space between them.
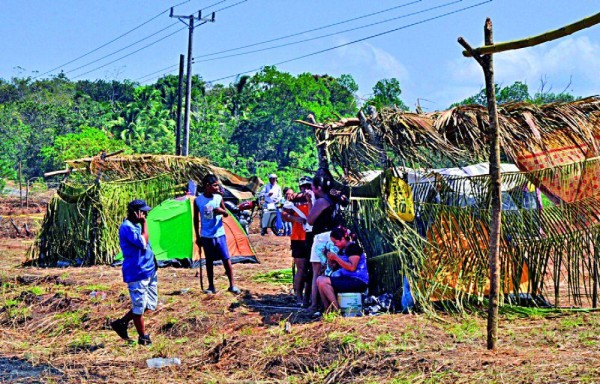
pixel 179 102
pixel 188 91
pixel 20 185
pixel 487 64
pixel 321 148
pixel 483 55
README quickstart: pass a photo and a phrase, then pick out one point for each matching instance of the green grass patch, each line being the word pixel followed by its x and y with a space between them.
pixel 94 287
pixel 38 291
pixel 466 330
pixel 279 276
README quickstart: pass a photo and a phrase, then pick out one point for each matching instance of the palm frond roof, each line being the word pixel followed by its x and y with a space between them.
pixel 460 134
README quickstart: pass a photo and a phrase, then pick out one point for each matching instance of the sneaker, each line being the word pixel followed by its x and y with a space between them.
pixel 235 290
pixel 210 291
pixel 120 327
pixel 144 340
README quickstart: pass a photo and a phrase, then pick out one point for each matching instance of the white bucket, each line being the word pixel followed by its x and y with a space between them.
pixel 350 303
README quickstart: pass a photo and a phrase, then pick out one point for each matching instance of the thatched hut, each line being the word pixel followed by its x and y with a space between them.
pixel 556 148
pixel 82 220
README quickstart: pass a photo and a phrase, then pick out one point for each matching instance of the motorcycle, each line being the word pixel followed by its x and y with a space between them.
pixel 243 212
pixel 270 217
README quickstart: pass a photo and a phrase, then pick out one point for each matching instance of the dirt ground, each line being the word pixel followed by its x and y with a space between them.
pixel 54 330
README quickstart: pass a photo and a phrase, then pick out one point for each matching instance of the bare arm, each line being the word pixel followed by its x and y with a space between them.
pixel 196 222
pixel 350 265
pixel 316 210
pixel 290 217
pixel 221 210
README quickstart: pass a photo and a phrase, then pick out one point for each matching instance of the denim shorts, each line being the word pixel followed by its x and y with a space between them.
pixel 343 284
pixel 144 294
pixel 215 248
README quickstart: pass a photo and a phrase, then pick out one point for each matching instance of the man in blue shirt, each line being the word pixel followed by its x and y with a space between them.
pixel 208 222
pixel 139 271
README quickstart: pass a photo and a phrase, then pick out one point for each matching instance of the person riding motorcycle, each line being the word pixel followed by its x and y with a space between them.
pixel 272 191
pixel 271 195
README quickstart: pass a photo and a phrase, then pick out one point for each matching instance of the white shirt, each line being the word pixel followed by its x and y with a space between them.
pixel 276 196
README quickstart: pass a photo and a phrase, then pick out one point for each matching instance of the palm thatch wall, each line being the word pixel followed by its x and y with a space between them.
pixel 82 221
pixel 552 252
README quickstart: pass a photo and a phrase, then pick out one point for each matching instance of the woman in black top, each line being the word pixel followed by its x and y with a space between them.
pixel 320 217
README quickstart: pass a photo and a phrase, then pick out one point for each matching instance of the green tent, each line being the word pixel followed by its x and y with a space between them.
pixel 171 230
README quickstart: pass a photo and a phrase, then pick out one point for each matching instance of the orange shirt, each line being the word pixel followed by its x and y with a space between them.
pixel 298 232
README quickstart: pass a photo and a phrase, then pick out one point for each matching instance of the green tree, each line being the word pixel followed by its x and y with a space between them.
pixel 270 102
pixel 88 142
pixel 144 124
pixel 386 93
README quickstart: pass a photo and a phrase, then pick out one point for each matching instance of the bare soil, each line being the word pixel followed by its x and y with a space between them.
pixel 53 330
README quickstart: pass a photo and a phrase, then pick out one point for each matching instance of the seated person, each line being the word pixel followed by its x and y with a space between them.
pixel 352 274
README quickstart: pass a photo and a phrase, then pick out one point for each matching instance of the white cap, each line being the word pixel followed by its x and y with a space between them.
pixel 272 176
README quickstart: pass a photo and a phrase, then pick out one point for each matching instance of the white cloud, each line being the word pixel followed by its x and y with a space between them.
pixel 369 64
pixel 575 59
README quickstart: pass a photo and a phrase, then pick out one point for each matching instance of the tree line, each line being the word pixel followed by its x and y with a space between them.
pixel 247 126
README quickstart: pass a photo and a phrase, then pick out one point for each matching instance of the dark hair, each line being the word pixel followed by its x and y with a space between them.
pixel 208 179
pixel 323 179
pixel 340 233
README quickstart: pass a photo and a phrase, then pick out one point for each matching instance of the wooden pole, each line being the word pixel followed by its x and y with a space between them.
pixel 321 147
pixel 374 137
pixel 188 91
pixel 179 102
pixel 487 64
pixel 20 185
pixel 535 40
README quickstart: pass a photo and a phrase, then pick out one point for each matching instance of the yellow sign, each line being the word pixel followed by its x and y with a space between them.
pixel 400 199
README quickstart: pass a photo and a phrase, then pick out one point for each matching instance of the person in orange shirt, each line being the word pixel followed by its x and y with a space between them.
pixel 296 211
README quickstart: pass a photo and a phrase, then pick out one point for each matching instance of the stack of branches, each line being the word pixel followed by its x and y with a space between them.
pixel 82 221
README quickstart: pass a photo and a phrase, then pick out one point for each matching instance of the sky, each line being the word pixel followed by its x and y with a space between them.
pixel 414 41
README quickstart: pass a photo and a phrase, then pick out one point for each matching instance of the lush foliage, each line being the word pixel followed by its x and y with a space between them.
pixel 247 126
pixel 518 91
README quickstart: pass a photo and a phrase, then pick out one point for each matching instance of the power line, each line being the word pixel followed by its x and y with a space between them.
pixel 193 60
pixel 230 6
pixel 158 71
pixel 111 41
pixel 122 49
pixel 148 45
pixel 329 34
pixel 284 37
pixel 311 30
pixel 129 54
pixel 356 41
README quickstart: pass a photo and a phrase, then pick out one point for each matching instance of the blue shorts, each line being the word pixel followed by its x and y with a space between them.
pixel 144 294
pixel 215 248
pixel 343 284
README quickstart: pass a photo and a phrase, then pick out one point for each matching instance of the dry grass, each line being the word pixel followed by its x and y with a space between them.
pixel 48 320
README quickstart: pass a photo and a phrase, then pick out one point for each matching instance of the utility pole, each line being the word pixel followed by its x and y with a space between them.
pixel 179 99
pixel 191 20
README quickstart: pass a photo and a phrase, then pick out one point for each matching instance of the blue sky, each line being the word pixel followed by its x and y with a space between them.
pixel 39 35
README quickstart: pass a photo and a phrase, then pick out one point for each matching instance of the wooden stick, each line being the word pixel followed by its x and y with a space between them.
pixel 535 40
pixel 62 172
pixel 15 226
